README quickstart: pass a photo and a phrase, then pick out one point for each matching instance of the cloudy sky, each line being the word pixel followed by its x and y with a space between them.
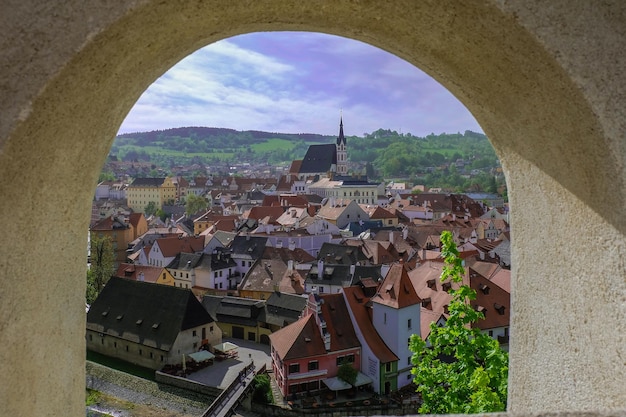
pixel 298 82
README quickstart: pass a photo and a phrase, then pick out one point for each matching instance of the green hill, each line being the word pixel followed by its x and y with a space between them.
pixel 449 160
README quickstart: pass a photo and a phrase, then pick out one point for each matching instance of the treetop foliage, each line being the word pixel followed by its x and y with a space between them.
pixel 384 153
pixel 460 369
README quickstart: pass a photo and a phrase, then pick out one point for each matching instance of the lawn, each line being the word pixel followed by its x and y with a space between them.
pixel 120 365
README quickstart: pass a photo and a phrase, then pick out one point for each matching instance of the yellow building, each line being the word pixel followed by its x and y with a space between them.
pixel 346 188
pixel 143 191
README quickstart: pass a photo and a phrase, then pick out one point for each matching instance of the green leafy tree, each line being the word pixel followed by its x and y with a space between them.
pixel 194 204
pixel 102 266
pixel 262 390
pixel 347 372
pixel 161 215
pixel 150 209
pixel 463 370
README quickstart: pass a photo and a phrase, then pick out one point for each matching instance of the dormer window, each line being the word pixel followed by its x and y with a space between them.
pixel 499 308
pixel 484 288
pixel 431 284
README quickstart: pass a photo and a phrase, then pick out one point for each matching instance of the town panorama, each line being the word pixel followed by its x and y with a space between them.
pixel 211 275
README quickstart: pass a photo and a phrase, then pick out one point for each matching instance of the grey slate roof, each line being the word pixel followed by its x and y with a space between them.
pixel 250 247
pixel 338 275
pixel 319 158
pixel 282 309
pixel 362 272
pixel 235 310
pixel 334 253
pixel 147 182
pixel 145 313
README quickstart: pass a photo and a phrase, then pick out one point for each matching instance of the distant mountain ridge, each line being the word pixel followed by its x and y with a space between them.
pixel 199 132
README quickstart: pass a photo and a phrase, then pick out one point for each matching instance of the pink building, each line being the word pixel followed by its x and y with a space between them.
pixel 307 354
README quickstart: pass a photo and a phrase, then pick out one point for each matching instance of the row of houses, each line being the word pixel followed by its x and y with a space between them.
pixel 382 283
pixel 343 276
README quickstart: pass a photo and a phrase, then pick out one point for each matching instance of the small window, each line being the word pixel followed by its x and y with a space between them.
pixel 193 333
pixel 313 365
pixel 294 368
pixel 409 324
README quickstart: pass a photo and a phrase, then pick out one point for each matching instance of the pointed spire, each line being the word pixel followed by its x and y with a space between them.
pixel 341 138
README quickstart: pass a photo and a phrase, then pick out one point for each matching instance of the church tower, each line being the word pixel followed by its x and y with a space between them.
pixel 342 152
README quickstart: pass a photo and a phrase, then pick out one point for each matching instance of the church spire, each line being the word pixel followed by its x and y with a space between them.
pixel 342 151
pixel 341 138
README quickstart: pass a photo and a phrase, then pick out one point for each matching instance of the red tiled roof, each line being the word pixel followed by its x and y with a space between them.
pixel 295 166
pixel 300 339
pixel 358 302
pixel 495 301
pixel 261 212
pixel 173 246
pixel 396 290
pixel 134 218
pixel 342 335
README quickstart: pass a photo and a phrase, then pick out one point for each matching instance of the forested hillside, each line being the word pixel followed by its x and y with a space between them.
pixel 385 154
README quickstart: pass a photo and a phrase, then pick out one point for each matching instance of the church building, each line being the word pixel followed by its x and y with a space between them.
pixel 327 160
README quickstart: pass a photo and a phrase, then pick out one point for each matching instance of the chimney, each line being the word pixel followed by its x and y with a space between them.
pixel 320 269
pixel 405 233
pixel 292 245
pixel 352 268
pixel 391 237
pixel 290 265
pixel 140 277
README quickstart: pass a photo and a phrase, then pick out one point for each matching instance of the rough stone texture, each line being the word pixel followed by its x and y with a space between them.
pixel 544 79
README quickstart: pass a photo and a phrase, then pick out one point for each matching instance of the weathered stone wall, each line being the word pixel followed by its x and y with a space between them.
pixel 544 79
pixel 187 384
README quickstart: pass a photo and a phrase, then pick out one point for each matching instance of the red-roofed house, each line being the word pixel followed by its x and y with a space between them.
pixel 307 354
pixel 164 251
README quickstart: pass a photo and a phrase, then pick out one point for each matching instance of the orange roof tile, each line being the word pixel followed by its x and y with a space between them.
pixel 300 339
pixel 358 304
pixel 396 290
pixel 173 246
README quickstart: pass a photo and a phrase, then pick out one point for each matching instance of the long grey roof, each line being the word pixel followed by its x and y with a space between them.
pixel 147 182
pixel 319 158
pixel 141 312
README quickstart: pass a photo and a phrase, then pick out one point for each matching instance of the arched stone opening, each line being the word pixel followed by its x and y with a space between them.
pixel 547 102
